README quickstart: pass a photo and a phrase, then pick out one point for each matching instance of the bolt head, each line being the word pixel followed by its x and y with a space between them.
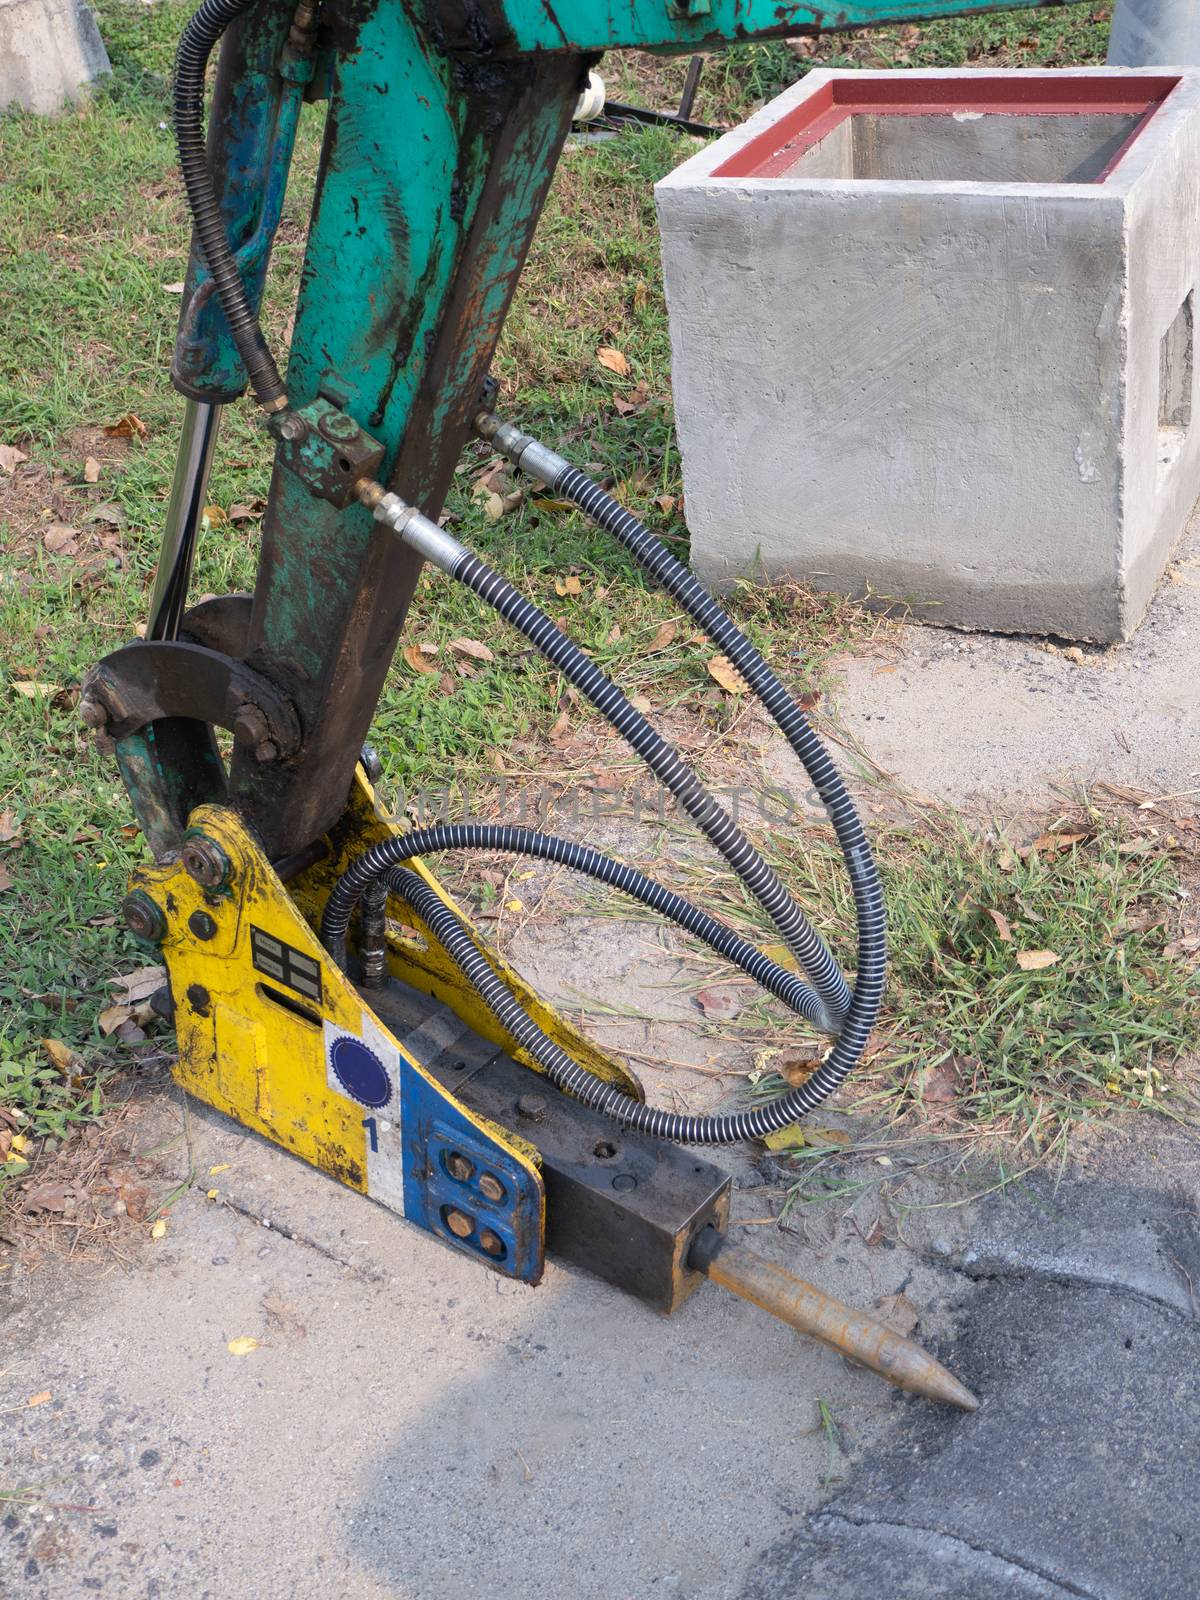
pixel 143 917
pixel 293 428
pixel 266 750
pixel 338 427
pixel 532 1107
pixel 460 1224
pixel 460 1167
pixel 205 862
pixel 202 925
pixel 491 1243
pixel 93 713
pixel 490 1186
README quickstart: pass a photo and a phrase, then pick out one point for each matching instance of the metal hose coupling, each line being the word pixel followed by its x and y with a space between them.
pixel 526 453
pixel 411 526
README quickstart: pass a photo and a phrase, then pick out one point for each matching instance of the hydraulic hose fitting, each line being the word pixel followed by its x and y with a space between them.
pixel 412 527
pixel 525 452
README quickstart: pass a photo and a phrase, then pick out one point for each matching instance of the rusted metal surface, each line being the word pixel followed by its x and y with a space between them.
pixel 143 683
pixel 408 276
pixel 854 1334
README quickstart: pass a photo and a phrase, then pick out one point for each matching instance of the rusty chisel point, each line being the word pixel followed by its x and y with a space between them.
pixel 855 1334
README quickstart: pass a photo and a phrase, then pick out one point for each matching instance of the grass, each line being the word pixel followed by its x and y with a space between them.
pixel 92 233
pixel 968 1039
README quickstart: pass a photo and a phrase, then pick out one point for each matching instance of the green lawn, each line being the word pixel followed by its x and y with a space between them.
pixel 93 237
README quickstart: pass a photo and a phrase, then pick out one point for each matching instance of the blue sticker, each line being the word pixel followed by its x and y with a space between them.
pixel 360 1072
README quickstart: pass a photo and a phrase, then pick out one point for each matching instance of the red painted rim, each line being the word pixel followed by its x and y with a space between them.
pixel 774 151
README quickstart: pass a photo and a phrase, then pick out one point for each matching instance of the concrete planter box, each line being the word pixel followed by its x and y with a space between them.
pixel 933 341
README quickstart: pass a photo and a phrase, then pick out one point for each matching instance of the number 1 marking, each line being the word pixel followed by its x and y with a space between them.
pixel 369 1124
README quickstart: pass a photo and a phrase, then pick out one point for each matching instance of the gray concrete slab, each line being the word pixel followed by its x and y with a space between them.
pixel 412 1426
pixel 980 720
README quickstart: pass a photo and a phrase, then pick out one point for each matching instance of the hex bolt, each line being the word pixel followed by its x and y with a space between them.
pixel 143 917
pixel 266 750
pixel 459 1167
pixel 490 1186
pixel 491 1243
pixel 532 1107
pixel 93 713
pixel 460 1225
pixel 205 861
pixel 293 428
pixel 202 925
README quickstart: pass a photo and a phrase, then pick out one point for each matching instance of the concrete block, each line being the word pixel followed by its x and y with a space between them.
pixel 932 340
pixel 49 50
pixel 1145 32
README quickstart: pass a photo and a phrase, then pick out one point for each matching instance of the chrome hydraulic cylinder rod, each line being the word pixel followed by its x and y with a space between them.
pixel 185 509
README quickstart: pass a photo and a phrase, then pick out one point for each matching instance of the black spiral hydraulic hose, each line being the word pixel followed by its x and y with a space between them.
pixel 191 63
pixel 664 761
pixel 652 555
pixel 562 1071
pixel 389 853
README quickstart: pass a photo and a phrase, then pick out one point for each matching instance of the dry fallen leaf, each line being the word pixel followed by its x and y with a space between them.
pixel 48 1197
pixel 1052 843
pixel 60 1055
pixel 173 288
pixel 9 827
pixel 721 1004
pixel 626 405
pixel 216 516
pixel 613 360
pixel 140 984
pixel 221 1166
pixel 1036 960
pixel 11 457
pixel 781 956
pixel 127 427
pixel 568 585
pixel 61 539
pixel 6 881
pixel 112 1017
pixel 835 1136
pixel 159 1230
pixel 665 503
pixel 727 675
pixel 472 648
pixel 240 513
pixel 39 1399
pixel 796 1069
pixel 91 470
pixel 243 1345
pixel 1002 925
pixel 34 691
pixel 418 660
pixel 666 633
